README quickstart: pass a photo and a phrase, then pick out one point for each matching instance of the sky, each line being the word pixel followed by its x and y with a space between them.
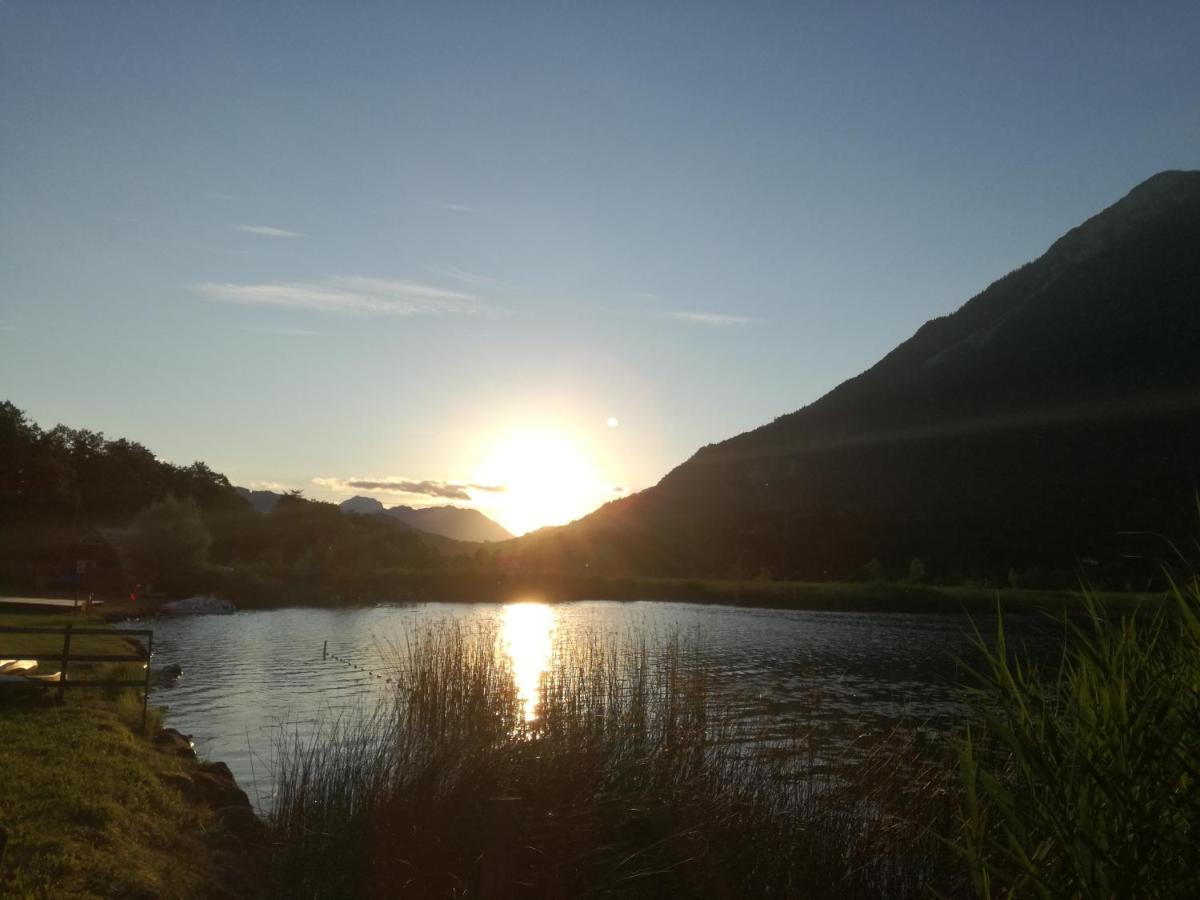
pixel 529 257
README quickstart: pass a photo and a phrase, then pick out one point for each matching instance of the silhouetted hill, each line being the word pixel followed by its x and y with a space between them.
pixel 261 501
pixel 449 521
pixel 1055 409
pixel 364 506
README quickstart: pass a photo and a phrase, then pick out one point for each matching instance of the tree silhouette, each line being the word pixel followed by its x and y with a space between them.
pixel 169 538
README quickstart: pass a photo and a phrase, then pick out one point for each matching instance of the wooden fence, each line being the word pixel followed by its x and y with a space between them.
pixel 65 657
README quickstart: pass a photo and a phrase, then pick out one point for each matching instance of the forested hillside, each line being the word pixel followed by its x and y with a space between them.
pixel 69 495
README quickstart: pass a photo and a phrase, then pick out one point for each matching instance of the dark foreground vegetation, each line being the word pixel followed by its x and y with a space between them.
pixel 638 778
pixel 633 780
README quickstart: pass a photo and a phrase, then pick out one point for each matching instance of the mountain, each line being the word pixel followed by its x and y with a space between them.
pixel 261 501
pixel 1050 415
pixel 364 506
pixel 448 521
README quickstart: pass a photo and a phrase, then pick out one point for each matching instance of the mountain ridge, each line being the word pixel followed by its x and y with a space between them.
pixel 455 522
pixel 1087 341
pixel 459 523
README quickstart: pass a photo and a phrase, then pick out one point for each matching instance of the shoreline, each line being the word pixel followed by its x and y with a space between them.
pixel 258 591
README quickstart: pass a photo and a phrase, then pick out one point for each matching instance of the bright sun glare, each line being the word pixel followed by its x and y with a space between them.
pixel 548 480
pixel 527 631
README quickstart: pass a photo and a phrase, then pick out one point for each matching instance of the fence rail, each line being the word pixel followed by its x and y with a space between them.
pixel 64 657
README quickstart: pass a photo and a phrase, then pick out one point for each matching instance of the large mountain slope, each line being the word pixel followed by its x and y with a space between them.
pixel 1055 410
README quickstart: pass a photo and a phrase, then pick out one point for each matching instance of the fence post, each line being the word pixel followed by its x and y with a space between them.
pixel 66 655
pixel 146 689
pixel 324 649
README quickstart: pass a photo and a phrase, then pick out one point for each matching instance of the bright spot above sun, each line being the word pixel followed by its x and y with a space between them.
pixel 548 480
pixel 612 422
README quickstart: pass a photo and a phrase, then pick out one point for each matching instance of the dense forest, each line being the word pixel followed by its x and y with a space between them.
pixel 80 511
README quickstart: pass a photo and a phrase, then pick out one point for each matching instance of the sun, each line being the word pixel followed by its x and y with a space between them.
pixel 548 479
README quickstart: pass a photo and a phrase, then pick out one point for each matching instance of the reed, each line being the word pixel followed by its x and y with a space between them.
pixel 1082 781
pixel 635 777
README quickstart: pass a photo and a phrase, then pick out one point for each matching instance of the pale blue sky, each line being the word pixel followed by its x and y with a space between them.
pixel 346 241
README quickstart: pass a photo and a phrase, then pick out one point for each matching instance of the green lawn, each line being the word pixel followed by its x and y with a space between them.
pixel 47 648
pixel 84 806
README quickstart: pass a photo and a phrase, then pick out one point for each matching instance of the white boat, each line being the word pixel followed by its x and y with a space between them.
pixel 200 605
pixel 14 666
pixel 46 679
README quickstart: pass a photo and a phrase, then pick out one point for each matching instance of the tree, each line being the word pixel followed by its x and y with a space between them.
pixel 916 570
pixel 873 571
pixel 168 538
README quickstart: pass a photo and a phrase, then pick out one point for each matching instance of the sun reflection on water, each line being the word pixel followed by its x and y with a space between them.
pixel 527 631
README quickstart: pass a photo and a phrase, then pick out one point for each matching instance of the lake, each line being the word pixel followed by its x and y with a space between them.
pixel 249 674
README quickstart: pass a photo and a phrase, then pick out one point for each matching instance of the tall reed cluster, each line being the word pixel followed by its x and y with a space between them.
pixel 1085 781
pixel 632 778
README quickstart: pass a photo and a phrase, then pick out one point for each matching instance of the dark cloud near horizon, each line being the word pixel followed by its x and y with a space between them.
pixel 427 488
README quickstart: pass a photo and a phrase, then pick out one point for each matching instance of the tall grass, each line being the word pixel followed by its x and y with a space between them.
pixel 1082 782
pixel 634 779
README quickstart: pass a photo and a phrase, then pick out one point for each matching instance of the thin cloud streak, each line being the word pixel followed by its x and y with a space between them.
pixel 351 295
pixel 267 231
pixel 445 490
pixel 276 486
pixel 473 279
pixel 287 332
pixel 697 317
pixel 454 207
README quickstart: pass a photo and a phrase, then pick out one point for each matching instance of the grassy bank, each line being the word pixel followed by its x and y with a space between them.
pixel 85 804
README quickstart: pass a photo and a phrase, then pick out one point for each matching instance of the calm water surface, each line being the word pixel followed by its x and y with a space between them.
pixel 249 674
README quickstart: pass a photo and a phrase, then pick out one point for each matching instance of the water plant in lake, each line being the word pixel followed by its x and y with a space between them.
pixel 1082 782
pixel 631 776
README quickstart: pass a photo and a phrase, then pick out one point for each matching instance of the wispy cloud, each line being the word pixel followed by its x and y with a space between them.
pixel 446 490
pixel 275 486
pixel 473 279
pixel 286 332
pixel 356 295
pixel 4 326
pixel 454 207
pixel 645 296
pixel 697 317
pixel 267 231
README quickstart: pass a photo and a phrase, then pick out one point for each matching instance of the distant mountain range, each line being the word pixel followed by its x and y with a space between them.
pixel 261 501
pixel 448 521
pixel 1038 425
